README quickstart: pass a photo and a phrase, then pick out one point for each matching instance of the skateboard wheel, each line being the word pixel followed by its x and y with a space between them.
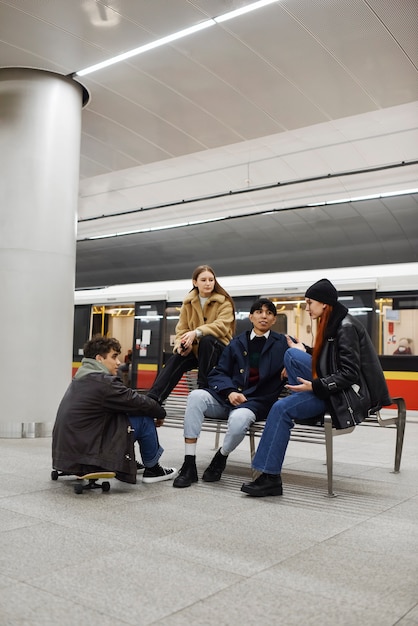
pixel 105 486
pixel 78 488
pixel 54 475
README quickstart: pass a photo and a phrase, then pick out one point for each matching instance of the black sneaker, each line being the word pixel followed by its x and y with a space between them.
pixel 157 473
pixel 139 468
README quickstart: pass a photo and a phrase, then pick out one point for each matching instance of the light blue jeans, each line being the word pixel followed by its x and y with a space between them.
pixel 201 404
pixel 299 405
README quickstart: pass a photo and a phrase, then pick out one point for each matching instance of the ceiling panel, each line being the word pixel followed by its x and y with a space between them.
pixel 400 19
pixel 296 90
pixel 367 232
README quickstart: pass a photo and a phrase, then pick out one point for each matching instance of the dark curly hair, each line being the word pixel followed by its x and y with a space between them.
pixel 101 345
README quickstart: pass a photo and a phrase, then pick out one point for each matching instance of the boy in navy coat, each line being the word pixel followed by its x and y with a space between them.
pixel 241 389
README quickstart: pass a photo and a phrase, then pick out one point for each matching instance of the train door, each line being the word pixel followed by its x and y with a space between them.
pixel 172 314
pixel 149 329
pixel 81 333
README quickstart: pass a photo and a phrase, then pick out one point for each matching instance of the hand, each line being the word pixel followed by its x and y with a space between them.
pixel 187 339
pixel 159 423
pixel 235 398
pixel 295 344
pixel 283 375
pixel 305 385
pixel 184 351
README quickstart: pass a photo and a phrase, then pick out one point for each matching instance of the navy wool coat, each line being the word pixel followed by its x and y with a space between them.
pixel 233 371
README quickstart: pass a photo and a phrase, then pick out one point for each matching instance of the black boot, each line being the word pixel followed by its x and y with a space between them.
pixel 214 470
pixel 188 472
pixel 264 485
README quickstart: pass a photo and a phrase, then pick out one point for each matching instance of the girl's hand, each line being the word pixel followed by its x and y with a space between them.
pixel 188 338
pixel 185 351
pixel 295 344
pixel 305 385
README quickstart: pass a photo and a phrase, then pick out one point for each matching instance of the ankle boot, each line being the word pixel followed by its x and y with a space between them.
pixel 188 472
pixel 264 485
pixel 214 470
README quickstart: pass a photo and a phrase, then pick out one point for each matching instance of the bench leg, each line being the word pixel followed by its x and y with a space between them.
pixel 329 453
pixel 254 472
pixel 217 436
pixel 400 432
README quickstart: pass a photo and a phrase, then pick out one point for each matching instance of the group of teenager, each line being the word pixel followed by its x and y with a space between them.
pixel 240 379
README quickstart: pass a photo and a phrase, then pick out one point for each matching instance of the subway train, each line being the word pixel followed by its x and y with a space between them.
pixel 143 316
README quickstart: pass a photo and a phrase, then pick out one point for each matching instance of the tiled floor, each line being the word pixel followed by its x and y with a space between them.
pixel 209 555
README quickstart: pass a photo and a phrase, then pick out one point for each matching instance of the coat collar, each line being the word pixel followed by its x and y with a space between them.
pixel 339 311
pixel 193 296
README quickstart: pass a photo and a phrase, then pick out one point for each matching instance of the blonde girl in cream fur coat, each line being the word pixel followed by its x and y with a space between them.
pixel 206 325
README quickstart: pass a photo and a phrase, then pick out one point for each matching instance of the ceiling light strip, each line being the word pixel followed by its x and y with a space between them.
pixel 174 36
pixel 149 46
pixel 250 7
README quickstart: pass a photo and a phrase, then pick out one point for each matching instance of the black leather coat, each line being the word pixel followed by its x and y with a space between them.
pixel 92 426
pixel 350 377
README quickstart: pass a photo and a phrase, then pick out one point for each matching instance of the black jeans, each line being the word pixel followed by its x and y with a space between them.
pixel 209 351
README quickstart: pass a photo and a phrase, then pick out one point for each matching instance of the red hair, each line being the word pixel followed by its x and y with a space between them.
pixel 320 337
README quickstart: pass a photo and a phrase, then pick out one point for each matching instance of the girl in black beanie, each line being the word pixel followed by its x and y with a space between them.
pixel 340 374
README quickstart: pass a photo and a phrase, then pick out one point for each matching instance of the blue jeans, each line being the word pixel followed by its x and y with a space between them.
pixel 146 435
pixel 299 405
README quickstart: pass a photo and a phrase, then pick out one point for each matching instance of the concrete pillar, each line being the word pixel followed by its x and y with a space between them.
pixel 40 129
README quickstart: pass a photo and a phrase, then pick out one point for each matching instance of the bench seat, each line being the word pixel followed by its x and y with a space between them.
pixel 319 434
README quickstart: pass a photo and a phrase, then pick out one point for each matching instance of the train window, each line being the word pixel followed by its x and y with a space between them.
pixel 293 319
pixel 114 321
pixel 397 325
pixel 360 304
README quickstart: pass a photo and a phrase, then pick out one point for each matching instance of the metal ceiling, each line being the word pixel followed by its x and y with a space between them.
pixel 343 235
pixel 296 91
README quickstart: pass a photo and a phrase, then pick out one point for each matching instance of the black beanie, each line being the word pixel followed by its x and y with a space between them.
pixel 323 291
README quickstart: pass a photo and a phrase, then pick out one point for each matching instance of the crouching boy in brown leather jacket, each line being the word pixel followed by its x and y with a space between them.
pixel 99 419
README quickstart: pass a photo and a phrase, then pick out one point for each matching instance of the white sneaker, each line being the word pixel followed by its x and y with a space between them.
pixel 157 473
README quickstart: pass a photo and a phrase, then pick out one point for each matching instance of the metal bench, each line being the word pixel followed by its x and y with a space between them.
pixel 319 434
